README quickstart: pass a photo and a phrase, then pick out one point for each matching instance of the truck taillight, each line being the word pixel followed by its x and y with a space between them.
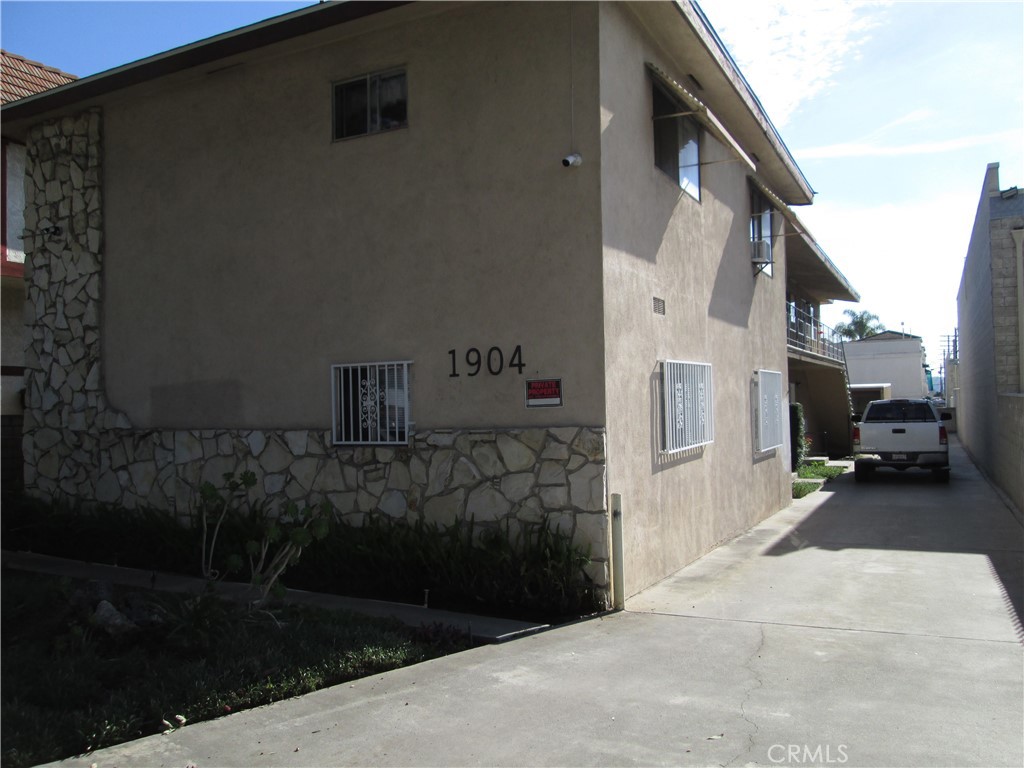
pixel 856 434
pixel 943 437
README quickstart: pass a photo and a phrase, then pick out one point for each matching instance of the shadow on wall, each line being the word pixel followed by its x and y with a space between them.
pixel 909 511
pixel 732 296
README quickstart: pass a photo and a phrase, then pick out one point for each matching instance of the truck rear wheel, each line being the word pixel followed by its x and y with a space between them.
pixel 862 472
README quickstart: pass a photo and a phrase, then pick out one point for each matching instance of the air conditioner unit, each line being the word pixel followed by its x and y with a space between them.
pixel 761 252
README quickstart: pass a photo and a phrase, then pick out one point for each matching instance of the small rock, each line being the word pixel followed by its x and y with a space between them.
pixel 111 620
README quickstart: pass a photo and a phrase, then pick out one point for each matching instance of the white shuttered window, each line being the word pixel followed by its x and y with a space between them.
pixel 688 405
pixel 769 410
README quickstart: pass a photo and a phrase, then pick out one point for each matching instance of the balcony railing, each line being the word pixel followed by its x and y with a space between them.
pixel 808 334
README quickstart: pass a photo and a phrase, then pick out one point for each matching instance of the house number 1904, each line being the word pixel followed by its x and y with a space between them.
pixel 493 360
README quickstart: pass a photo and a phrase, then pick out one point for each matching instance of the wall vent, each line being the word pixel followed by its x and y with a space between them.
pixel 659 306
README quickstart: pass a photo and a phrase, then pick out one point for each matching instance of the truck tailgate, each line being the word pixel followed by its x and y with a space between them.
pixel 906 437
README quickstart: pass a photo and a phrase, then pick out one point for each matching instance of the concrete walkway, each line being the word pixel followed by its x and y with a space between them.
pixel 873 625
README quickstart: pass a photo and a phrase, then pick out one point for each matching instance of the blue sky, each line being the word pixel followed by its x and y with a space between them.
pixel 893 109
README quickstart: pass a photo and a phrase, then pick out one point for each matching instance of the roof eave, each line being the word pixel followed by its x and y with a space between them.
pixel 800 191
pixel 203 52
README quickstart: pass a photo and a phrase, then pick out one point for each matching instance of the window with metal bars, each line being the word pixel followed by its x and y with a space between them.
pixel 769 410
pixel 371 403
pixel 688 405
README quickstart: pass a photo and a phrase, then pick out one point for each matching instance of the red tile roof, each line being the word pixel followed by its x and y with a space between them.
pixel 20 77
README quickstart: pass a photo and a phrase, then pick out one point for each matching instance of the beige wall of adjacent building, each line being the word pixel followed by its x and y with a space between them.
pixel 990 404
pixel 660 242
pixel 246 252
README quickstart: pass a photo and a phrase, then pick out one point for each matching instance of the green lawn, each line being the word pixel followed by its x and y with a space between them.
pixel 801 489
pixel 70 687
pixel 820 471
pixel 814 471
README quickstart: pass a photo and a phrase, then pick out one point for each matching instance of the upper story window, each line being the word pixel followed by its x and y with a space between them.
pixel 676 140
pixel 370 104
pixel 761 231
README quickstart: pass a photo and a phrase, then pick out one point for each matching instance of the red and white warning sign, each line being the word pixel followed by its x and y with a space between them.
pixel 543 393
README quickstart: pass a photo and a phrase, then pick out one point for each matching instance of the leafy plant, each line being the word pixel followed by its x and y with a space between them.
pixel 281 542
pixel 271 542
pixel 535 573
pixel 797 436
pixel 214 509
pixel 801 489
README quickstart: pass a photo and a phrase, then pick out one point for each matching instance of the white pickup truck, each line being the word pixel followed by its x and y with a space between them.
pixel 901 434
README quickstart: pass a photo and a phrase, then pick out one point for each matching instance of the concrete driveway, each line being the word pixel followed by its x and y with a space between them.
pixel 872 625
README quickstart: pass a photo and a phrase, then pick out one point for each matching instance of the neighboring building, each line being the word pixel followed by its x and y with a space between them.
pixel 989 395
pixel 862 394
pixel 817 369
pixel 19 78
pixel 889 357
pixel 495 261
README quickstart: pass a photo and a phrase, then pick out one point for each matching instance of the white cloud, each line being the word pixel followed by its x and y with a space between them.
pixel 870 149
pixel 917 116
pixel 905 265
pixel 789 51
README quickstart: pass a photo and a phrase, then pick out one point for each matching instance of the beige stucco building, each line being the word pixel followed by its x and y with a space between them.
pixel 560 222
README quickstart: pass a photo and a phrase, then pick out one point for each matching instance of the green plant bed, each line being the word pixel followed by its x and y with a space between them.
pixel 71 687
pixel 801 489
pixel 109 535
pixel 535 574
pixel 820 471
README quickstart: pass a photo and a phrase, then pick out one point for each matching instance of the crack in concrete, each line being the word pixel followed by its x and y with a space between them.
pixel 826 627
pixel 749 666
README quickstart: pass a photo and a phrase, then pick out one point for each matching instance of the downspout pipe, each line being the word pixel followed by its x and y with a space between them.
pixel 618 588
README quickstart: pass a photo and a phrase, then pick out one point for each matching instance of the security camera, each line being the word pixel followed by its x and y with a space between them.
pixel 574 160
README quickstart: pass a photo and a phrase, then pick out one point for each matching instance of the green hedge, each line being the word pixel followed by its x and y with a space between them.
pixel 797 436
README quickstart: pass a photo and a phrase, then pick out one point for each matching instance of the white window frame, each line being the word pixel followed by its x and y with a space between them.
pixel 374 121
pixel 363 412
pixel 688 412
pixel 684 132
pixel 761 230
pixel 769 410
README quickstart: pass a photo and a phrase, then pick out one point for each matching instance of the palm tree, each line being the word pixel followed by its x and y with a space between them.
pixel 860 326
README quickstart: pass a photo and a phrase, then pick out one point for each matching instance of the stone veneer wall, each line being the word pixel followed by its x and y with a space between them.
pixel 77 447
